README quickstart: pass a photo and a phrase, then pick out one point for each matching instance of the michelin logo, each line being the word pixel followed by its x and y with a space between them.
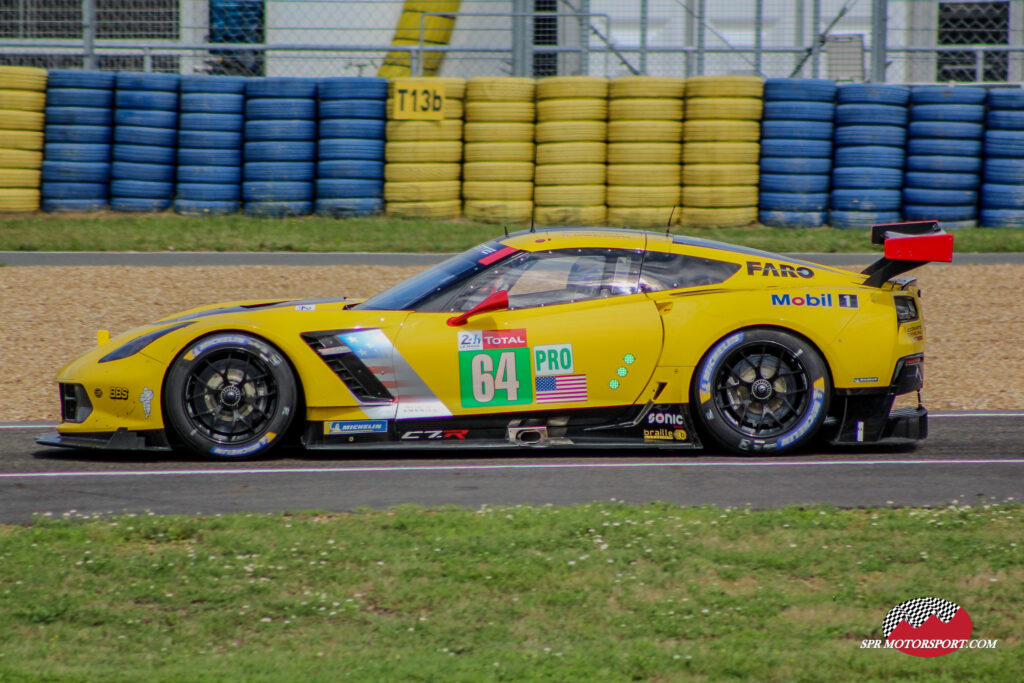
pixel 355 427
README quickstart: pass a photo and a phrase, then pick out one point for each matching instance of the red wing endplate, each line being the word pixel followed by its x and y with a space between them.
pixel 907 246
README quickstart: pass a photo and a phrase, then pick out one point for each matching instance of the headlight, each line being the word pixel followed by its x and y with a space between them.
pixel 906 309
pixel 136 345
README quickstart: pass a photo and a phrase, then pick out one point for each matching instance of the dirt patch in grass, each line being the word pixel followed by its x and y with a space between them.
pixel 51 315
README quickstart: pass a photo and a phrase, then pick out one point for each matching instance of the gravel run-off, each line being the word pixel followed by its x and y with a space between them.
pixel 51 314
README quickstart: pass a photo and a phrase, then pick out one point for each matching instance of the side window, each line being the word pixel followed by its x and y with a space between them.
pixel 674 271
pixel 549 278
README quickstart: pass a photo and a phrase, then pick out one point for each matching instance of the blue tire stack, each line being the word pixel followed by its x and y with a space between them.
pixel 796 151
pixel 943 168
pixel 76 155
pixel 280 146
pixel 867 175
pixel 145 141
pixel 1002 191
pixel 210 145
pixel 350 170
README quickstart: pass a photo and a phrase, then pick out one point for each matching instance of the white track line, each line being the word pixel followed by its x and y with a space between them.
pixel 534 466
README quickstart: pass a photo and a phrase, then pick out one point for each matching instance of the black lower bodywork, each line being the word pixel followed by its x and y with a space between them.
pixel 858 416
pixel 866 415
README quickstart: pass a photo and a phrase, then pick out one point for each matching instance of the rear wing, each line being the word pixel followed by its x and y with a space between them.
pixel 907 246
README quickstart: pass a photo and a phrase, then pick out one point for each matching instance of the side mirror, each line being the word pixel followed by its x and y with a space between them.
pixel 498 301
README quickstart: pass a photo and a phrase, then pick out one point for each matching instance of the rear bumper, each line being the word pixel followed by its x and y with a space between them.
pixel 121 440
pixel 866 415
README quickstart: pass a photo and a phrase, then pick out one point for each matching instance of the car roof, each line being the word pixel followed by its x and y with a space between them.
pixel 562 237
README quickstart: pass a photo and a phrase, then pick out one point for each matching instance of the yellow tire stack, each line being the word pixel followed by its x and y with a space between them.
pixel 645 132
pixel 720 151
pixel 22 100
pixel 436 19
pixel 423 161
pixel 497 166
pixel 569 187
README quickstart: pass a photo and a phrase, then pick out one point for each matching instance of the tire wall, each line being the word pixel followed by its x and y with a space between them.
pixel 572 115
pixel 350 147
pixel 562 150
pixel 424 161
pixel 1002 191
pixel 796 152
pixel 498 161
pixel 208 176
pixel 644 189
pixel 720 150
pixel 145 141
pixel 76 156
pixel 868 115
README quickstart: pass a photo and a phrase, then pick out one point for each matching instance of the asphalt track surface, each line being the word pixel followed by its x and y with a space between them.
pixel 968 457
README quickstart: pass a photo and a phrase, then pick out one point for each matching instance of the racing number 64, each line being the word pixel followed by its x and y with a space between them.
pixel 486 380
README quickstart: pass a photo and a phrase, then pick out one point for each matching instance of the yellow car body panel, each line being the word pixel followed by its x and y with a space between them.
pixel 626 359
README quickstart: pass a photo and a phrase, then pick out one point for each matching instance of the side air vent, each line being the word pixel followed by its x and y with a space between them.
pixel 75 405
pixel 349 368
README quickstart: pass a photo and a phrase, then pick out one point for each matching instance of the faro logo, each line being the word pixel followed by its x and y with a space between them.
pixel 665 419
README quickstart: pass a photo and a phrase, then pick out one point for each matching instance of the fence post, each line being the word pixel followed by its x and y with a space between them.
pixel 584 22
pixel 643 36
pixel 701 35
pixel 758 33
pixel 879 27
pixel 521 37
pixel 799 30
pixel 815 35
pixel 89 34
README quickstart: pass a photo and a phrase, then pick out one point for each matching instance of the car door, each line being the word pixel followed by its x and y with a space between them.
pixel 577 332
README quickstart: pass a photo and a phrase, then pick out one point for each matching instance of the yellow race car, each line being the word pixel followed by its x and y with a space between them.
pixel 557 337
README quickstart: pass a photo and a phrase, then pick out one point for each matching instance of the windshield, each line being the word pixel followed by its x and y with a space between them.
pixel 408 293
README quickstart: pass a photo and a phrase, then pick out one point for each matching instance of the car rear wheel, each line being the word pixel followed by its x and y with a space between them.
pixel 230 396
pixel 761 391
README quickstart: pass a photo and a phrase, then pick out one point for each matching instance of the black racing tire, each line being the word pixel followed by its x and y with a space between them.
pixel 230 396
pixel 761 391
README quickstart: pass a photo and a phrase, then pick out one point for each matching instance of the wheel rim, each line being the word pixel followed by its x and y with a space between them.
pixel 762 390
pixel 231 396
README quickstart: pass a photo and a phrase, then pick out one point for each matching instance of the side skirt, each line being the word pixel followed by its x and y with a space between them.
pixel 664 426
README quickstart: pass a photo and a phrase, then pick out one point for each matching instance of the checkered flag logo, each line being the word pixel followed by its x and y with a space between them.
pixel 915 612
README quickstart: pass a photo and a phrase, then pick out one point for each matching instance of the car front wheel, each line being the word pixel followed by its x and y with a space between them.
pixel 762 390
pixel 230 396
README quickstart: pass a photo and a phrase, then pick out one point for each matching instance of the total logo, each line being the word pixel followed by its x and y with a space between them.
pixel 665 419
pixel 504 339
pixel 824 300
pixel 477 340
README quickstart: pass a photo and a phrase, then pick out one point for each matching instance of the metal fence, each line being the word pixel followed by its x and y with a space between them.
pixel 900 41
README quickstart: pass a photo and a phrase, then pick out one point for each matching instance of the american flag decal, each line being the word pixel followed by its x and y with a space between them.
pixel 561 389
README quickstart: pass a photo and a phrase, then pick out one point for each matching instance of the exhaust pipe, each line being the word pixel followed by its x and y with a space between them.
pixel 536 436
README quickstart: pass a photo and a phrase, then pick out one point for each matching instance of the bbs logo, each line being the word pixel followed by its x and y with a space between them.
pixel 665 419
pixel 119 393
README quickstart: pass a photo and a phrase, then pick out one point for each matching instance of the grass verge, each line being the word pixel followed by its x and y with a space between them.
pixel 111 231
pixel 593 592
